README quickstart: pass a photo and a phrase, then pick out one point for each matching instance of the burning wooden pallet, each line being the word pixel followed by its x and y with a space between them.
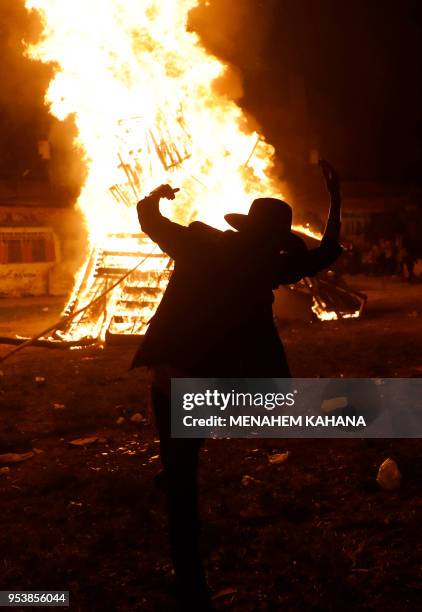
pixel 123 314
pixel 119 309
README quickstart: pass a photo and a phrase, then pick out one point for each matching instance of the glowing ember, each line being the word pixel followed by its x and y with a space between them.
pixel 326 315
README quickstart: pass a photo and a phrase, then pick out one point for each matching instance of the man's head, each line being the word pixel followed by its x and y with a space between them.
pixel 268 219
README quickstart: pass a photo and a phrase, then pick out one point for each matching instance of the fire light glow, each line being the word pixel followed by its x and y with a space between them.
pixel 149 106
pixel 142 91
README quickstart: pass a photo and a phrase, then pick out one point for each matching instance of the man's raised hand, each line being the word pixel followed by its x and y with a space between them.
pixel 165 191
pixel 331 177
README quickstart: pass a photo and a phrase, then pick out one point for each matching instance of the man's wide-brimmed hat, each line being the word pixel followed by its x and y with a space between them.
pixel 270 214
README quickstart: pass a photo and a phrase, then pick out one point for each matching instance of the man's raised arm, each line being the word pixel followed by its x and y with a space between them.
pixel 170 236
pixel 333 225
pixel 329 250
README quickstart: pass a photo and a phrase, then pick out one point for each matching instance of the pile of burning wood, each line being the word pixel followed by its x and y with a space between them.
pixel 122 284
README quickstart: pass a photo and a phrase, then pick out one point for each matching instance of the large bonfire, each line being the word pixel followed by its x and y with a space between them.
pixel 149 105
pixel 142 91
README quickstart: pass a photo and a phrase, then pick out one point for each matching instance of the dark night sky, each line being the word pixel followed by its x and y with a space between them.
pixel 360 61
pixel 355 64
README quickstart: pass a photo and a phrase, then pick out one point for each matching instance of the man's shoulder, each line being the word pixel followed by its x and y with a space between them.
pixel 203 229
pixel 210 236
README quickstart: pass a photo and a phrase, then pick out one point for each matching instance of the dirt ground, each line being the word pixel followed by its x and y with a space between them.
pixel 314 533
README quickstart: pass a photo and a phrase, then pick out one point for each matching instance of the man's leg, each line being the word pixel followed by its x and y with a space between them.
pixel 179 458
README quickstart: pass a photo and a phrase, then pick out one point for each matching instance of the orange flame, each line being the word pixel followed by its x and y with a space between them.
pixel 140 87
pixel 141 90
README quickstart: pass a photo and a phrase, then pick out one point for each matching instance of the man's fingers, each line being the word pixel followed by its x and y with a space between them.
pixel 326 167
pixel 328 170
pixel 169 189
pixel 166 191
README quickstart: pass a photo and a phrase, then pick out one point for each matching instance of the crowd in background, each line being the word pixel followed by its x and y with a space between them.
pixel 382 257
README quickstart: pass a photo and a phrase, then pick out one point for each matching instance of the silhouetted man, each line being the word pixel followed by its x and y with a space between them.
pixel 215 320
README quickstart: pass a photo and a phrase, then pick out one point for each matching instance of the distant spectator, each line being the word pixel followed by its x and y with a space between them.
pixel 400 256
pixel 389 257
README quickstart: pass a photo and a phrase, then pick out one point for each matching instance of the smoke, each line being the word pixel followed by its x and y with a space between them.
pixel 239 34
pixel 265 45
pixel 24 118
pixel 233 30
pixel 236 33
pixel 67 170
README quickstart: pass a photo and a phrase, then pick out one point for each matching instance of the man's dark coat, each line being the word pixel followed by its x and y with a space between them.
pixel 215 318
